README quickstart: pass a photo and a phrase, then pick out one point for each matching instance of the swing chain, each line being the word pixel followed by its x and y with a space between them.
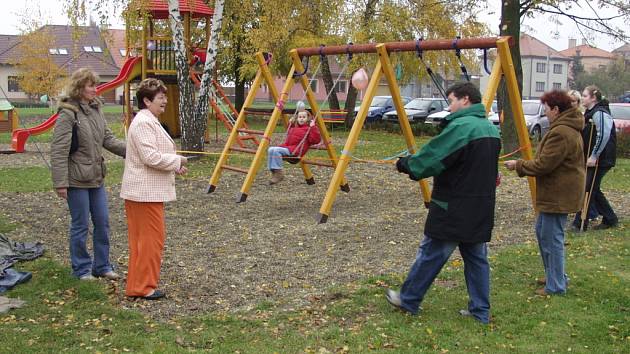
pixel 458 53
pixel 429 70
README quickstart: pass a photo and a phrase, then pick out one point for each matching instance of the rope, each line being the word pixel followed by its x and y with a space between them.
pixel 521 148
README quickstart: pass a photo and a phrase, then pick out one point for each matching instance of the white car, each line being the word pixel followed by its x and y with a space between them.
pixel 436 118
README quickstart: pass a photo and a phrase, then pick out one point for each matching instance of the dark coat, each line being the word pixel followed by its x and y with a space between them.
pixel 463 159
pixel 85 168
pixel 559 165
pixel 591 136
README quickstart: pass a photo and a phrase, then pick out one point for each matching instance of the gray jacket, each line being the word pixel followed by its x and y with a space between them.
pixel 85 168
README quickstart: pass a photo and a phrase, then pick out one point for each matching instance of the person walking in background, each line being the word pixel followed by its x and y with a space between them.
pixel 600 151
pixel 463 159
pixel 78 173
pixel 559 170
pixel 148 181
pixel 576 99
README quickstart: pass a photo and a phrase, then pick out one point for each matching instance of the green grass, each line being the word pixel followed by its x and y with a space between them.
pixel 65 314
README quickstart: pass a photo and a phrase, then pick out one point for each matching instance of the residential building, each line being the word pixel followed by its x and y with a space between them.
pixel 592 58
pixel 317 84
pixel 544 68
pixel 623 52
pixel 88 50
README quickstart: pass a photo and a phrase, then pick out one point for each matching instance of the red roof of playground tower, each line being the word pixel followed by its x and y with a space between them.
pixel 159 8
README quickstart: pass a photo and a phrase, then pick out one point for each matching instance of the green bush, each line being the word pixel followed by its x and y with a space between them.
pixel 623 145
pixel 29 104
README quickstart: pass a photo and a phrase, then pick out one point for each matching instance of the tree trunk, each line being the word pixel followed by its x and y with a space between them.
pixel 510 26
pixel 351 101
pixel 333 101
pixel 351 98
pixel 239 83
pixel 190 137
pixel 201 108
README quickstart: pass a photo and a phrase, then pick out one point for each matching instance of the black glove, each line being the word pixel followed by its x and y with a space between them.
pixel 402 166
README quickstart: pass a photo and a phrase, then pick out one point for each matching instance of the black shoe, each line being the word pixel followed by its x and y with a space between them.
pixel 157 294
pixel 603 226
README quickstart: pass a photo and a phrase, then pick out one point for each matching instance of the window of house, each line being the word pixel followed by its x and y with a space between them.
pixel 540 86
pixel 541 67
pixel 602 66
pixel 123 52
pixel 557 68
pixel 88 49
pixel 557 86
pixel 97 49
pixel 53 51
pixel 13 84
pixel 314 85
pixel 341 86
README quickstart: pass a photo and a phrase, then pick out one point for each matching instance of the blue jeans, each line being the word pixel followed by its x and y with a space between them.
pixel 83 203
pixel 431 257
pixel 550 235
pixel 275 155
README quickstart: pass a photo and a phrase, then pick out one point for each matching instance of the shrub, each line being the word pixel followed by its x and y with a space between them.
pixel 623 145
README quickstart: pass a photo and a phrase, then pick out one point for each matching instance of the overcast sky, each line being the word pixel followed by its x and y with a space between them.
pixel 541 27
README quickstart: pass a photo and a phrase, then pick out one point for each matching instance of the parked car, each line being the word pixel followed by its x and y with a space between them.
pixel 418 109
pixel 535 119
pixel 379 106
pixel 436 118
pixel 621 115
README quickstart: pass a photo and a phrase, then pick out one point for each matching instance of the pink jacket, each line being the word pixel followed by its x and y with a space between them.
pixel 296 134
pixel 150 163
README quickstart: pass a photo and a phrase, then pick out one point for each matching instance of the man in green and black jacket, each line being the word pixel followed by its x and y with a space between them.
pixel 463 159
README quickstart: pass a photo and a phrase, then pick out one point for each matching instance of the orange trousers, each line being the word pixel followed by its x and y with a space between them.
pixel 146 234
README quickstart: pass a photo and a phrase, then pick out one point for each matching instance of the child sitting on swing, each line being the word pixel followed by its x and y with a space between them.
pixel 301 135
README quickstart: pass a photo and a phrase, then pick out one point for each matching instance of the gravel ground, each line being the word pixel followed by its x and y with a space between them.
pixel 222 256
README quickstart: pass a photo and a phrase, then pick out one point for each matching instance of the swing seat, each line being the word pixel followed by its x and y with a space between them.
pixel 292 159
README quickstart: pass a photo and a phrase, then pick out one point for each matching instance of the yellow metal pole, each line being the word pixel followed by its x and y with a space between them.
pixel 493 85
pixel 251 95
pixel 388 71
pixel 517 107
pixel 344 159
pixel 271 126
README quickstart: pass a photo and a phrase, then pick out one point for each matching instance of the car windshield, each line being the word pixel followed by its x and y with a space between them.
pixel 620 112
pixel 379 102
pixel 531 108
pixel 418 104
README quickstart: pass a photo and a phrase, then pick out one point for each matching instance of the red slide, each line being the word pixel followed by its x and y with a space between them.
pixel 130 69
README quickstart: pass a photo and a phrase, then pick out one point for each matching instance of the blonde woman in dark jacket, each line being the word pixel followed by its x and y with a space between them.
pixel 559 170
pixel 78 176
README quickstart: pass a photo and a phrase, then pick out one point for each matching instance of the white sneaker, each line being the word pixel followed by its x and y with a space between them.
pixel 111 275
pixel 87 277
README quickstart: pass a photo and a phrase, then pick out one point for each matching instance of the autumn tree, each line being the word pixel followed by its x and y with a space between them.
pixel 39 74
pixel 512 13
pixel 236 47
pixel 193 106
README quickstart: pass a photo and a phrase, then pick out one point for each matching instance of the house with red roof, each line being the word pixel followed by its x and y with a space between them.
pixel 544 68
pixel 592 58
pixel 88 50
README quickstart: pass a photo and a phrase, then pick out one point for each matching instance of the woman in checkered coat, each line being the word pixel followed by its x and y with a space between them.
pixel 148 181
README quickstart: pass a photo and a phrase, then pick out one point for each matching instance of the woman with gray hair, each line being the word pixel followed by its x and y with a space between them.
pixel 78 173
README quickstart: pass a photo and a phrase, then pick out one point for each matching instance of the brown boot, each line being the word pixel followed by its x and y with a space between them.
pixel 276 176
